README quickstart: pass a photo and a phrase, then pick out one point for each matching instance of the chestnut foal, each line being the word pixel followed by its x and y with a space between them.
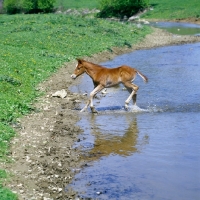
pixel 104 77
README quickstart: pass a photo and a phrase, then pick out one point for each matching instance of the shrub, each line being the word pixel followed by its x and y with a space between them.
pixel 46 5
pixel 28 6
pixel 12 6
pixel 121 8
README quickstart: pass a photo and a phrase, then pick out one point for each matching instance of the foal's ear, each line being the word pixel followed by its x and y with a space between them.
pixel 79 60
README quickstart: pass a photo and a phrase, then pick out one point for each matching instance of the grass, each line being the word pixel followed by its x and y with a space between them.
pixel 5 194
pixel 170 9
pixel 35 46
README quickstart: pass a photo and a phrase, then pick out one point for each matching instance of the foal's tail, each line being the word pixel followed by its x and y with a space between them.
pixel 143 76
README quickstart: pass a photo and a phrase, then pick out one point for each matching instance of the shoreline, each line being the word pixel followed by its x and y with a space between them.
pixel 44 160
pixel 187 20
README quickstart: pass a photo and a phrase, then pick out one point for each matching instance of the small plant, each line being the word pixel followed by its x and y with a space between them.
pixel 9 80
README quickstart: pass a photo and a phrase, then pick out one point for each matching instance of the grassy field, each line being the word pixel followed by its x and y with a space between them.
pixel 170 9
pixel 35 46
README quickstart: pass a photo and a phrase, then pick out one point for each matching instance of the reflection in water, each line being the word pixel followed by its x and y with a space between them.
pixel 164 166
pixel 106 144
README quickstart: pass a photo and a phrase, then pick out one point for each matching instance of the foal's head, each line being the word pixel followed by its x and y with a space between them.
pixel 79 69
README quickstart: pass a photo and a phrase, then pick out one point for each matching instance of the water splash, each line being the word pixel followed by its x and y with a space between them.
pixel 122 109
pixel 154 109
pixel 136 109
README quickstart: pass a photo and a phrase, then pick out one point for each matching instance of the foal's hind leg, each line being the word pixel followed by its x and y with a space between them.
pixel 134 99
pixel 132 89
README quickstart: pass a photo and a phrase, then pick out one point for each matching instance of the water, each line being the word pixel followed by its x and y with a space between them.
pixel 178 28
pixel 151 151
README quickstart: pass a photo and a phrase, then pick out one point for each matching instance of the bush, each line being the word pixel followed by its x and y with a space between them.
pixel 28 6
pixel 121 8
pixel 46 5
pixel 12 6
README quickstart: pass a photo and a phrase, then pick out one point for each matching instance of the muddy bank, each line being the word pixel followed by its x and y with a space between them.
pixel 44 161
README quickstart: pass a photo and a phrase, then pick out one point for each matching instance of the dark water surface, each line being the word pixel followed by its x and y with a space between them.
pixel 153 153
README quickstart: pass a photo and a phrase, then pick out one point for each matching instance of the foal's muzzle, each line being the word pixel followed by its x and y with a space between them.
pixel 73 76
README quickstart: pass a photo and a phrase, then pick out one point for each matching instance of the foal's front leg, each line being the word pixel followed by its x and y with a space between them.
pixel 92 94
pixel 87 104
pixel 90 101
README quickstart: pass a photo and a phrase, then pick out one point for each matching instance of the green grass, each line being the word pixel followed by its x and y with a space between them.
pixel 66 4
pixel 5 194
pixel 35 46
pixel 6 132
pixel 173 9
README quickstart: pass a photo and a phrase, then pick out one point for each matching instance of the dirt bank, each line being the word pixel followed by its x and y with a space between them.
pixel 44 161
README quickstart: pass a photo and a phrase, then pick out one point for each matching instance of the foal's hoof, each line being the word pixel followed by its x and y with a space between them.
pixel 126 107
pixel 93 110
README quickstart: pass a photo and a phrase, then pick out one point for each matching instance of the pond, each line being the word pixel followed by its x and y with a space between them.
pixel 147 153
pixel 178 27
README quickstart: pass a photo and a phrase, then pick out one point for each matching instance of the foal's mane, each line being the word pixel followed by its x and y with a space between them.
pixel 80 60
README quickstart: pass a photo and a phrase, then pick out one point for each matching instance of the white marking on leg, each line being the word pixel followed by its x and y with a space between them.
pixel 92 94
pixel 129 98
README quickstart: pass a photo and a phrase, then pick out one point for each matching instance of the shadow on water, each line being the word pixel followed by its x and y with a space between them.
pixel 152 153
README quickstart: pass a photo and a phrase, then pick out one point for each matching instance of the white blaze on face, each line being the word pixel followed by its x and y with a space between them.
pixel 74 75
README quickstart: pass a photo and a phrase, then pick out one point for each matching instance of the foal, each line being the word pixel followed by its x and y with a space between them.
pixel 104 77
